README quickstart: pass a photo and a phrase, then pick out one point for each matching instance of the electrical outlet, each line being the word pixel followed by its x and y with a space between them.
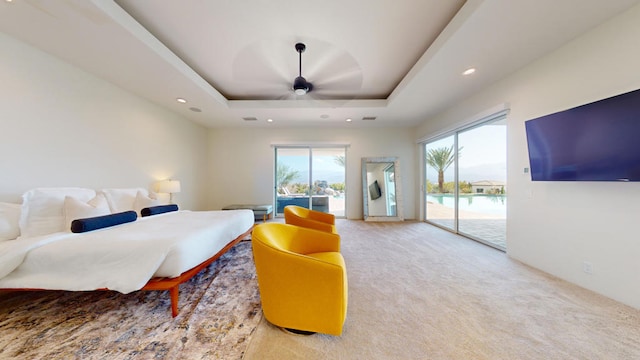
pixel 587 267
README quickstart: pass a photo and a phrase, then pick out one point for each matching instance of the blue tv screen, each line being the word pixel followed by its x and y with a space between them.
pixel 599 141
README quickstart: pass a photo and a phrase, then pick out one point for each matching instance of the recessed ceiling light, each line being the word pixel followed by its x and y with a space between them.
pixel 348 120
pixel 181 100
pixel 469 71
pixel 269 120
pixel 195 109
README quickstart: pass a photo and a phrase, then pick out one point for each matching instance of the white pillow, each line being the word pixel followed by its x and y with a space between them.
pixel 9 220
pixel 42 209
pixel 143 201
pixel 78 209
pixel 122 199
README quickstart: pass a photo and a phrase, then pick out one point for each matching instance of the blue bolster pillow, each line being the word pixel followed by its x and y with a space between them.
pixel 155 210
pixel 99 222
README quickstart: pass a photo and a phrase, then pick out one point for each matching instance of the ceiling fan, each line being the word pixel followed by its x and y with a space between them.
pixel 300 85
pixel 263 71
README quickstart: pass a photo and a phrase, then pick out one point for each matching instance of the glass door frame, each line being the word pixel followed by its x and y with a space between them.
pixel 499 114
pixel 310 148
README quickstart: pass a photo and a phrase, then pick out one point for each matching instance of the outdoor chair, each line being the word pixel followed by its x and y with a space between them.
pixel 300 216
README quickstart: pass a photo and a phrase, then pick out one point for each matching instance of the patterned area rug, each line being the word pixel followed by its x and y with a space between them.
pixel 219 310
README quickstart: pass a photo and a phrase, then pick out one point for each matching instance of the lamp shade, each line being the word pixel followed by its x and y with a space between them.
pixel 169 186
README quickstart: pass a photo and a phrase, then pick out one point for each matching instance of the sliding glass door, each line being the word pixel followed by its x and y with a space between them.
pixel 465 182
pixel 440 180
pixel 482 170
pixel 311 177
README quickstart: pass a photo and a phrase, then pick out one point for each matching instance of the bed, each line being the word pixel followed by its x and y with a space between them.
pixel 156 252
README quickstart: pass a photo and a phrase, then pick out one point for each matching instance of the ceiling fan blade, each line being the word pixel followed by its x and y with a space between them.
pixel 326 64
pixel 288 96
pixel 350 81
pixel 262 72
pixel 318 57
pixel 254 63
pixel 335 74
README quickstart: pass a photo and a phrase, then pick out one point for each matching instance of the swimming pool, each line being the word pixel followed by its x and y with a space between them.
pixel 482 203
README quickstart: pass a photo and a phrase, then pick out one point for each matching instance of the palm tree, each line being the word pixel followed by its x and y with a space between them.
pixel 285 174
pixel 339 160
pixel 440 159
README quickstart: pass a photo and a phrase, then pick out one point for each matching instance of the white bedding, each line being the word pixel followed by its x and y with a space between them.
pixel 122 257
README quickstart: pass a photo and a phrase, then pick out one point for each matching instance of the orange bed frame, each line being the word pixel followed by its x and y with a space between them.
pixel 173 284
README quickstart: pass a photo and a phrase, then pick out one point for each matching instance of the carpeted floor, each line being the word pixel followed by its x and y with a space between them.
pixel 415 292
pixel 219 310
pixel 419 292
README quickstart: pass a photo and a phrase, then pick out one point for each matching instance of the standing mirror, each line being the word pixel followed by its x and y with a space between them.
pixel 381 190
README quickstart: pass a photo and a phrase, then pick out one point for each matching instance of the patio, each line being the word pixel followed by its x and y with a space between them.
pixel 487 227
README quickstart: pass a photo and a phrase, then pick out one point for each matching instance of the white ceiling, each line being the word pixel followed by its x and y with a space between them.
pixel 399 61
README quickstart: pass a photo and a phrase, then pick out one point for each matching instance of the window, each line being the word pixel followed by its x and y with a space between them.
pixel 312 177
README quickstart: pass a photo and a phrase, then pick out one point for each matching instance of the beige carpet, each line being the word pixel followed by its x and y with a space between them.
pixel 419 292
pixel 219 309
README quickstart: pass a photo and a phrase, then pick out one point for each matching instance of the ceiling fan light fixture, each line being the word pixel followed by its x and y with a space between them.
pixel 301 86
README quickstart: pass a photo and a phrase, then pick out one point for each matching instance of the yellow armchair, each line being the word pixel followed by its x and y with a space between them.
pixel 300 216
pixel 302 278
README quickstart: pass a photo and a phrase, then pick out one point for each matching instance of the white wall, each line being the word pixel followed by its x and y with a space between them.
pixel 243 162
pixel 556 226
pixel 60 126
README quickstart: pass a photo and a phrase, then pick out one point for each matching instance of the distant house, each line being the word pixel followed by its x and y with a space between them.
pixel 488 187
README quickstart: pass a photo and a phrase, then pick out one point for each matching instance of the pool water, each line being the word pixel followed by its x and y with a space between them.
pixel 481 203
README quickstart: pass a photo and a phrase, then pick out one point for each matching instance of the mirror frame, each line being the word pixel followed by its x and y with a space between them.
pixel 398 183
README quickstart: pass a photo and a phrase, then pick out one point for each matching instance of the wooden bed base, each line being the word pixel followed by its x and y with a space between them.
pixel 173 284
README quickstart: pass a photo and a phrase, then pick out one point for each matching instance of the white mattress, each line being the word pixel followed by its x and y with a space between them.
pixel 122 257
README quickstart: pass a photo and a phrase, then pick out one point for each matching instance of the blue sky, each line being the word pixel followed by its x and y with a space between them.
pixel 324 168
pixel 483 156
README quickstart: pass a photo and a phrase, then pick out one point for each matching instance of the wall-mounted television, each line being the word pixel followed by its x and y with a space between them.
pixel 374 190
pixel 599 141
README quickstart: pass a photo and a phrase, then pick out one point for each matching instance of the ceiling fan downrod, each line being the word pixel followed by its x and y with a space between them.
pixel 300 84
